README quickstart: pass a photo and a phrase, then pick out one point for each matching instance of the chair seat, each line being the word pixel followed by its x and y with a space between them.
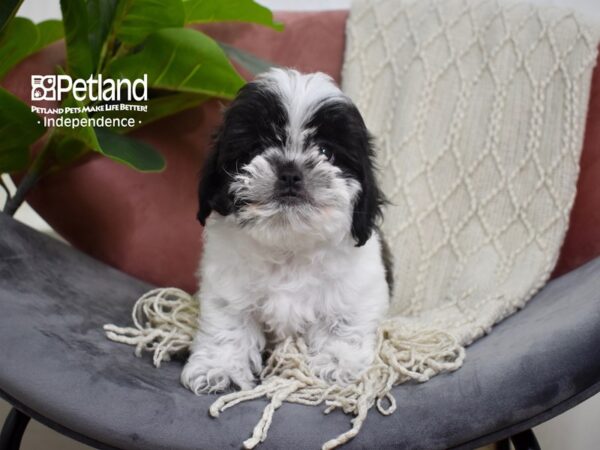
pixel 58 366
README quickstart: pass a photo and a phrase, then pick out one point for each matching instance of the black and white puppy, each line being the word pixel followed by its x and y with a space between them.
pixel 289 201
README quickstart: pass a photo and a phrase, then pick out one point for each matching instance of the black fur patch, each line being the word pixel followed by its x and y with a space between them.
pixel 255 120
pixel 388 262
pixel 339 126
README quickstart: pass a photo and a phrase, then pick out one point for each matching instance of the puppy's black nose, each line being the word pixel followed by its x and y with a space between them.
pixel 289 179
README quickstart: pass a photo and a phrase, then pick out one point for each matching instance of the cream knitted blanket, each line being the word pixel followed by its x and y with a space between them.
pixel 478 108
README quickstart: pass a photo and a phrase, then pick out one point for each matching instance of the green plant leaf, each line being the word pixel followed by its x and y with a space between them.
pixel 65 149
pixel 8 9
pixel 49 31
pixel 18 40
pixel 100 17
pixel 158 108
pixel 80 60
pixel 181 59
pixel 202 11
pixel 19 128
pixel 22 38
pixel 248 61
pixel 130 151
pixel 136 19
pixel 14 160
pixel 81 133
pixel 69 144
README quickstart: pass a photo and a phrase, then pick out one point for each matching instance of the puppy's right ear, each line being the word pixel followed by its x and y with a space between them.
pixel 213 190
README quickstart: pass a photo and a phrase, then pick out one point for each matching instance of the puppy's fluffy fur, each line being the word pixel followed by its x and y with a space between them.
pixel 289 201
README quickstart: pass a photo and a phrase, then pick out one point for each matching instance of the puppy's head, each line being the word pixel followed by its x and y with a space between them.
pixel 293 159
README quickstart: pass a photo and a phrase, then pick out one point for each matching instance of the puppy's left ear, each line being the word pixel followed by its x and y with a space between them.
pixel 368 205
pixel 213 194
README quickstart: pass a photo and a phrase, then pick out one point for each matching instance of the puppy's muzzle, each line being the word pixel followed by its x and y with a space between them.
pixel 290 183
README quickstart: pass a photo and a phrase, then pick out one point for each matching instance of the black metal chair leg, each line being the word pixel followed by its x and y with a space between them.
pixel 525 440
pixel 13 429
pixel 504 444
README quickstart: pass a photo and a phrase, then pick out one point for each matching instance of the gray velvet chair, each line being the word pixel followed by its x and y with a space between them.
pixel 57 367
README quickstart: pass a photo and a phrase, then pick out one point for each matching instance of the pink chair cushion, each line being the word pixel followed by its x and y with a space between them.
pixel 144 224
pixel 582 242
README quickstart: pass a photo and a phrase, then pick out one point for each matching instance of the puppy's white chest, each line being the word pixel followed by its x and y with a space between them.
pixel 289 293
pixel 292 298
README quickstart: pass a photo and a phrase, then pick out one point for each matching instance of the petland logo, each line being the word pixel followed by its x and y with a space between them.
pixel 103 102
pixel 95 88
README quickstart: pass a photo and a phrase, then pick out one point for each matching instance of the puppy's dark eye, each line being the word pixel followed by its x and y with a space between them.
pixel 328 154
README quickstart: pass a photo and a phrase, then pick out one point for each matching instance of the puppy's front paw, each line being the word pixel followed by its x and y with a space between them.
pixel 329 368
pixel 203 376
pixel 341 362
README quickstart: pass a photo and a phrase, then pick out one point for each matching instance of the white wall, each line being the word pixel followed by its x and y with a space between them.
pixel 577 429
pixel 45 9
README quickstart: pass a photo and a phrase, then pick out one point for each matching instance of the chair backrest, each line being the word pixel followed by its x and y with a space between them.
pixel 144 224
pixel 582 242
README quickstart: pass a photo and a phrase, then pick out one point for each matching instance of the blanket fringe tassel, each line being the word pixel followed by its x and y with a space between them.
pixel 165 322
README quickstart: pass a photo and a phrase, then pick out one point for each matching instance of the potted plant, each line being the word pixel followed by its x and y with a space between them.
pixel 181 67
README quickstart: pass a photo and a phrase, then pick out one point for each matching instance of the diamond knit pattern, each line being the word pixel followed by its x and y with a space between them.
pixel 478 110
